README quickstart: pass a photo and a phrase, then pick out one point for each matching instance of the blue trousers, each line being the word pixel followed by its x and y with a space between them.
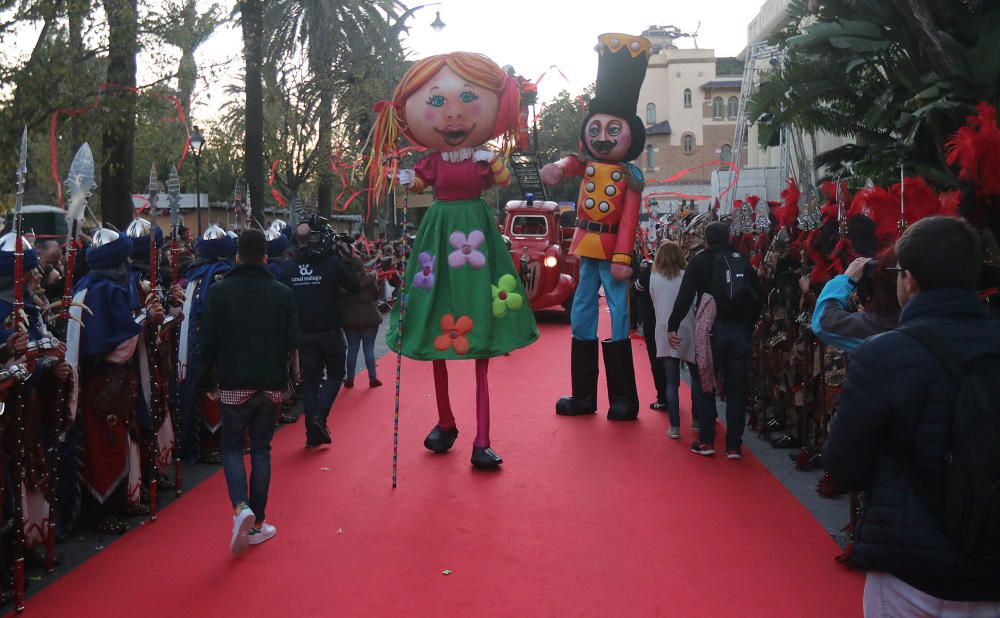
pixel 594 274
pixel 257 415
pixel 363 338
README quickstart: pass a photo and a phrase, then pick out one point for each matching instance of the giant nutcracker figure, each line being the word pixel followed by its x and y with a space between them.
pixel 607 215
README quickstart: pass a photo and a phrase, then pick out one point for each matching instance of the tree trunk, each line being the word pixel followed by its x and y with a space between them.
pixel 251 19
pixel 324 190
pixel 119 110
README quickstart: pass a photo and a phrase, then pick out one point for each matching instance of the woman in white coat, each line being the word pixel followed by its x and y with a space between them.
pixel 665 282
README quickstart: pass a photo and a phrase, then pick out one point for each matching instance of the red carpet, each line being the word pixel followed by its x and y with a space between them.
pixel 587 518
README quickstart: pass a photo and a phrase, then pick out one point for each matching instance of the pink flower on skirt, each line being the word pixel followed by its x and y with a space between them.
pixel 466 249
pixel 425 276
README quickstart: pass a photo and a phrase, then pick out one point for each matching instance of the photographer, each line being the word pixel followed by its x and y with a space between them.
pixel 316 275
pixel 835 324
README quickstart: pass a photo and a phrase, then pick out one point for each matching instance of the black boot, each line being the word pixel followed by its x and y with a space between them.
pixel 440 440
pixel 485 458
pixel 583 367
pixel 620 376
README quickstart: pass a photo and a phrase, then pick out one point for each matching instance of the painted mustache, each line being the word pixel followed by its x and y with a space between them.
pixel 603 146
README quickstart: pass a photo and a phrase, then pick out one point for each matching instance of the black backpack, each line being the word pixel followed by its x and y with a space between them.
pixel 731 287
pixel 968 505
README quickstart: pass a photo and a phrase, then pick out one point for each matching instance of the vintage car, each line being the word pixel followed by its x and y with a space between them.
pixel 539 233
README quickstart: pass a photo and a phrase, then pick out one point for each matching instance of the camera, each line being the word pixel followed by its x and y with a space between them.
pixel 321 241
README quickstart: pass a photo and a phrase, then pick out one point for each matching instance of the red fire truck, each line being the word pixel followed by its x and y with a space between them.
pixel 539 233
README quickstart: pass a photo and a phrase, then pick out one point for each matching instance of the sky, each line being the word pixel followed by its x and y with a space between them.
pixel 531 35
pixel 534 35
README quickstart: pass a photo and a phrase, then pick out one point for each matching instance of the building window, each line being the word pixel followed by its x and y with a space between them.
pixel 687 97
pixel 734 107
pixel 717 108
pixel 726 153
pixel 651 113
pixel 688 141
pixel 650 158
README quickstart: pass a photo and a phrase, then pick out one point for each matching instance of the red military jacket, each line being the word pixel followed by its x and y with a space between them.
pixel 607 209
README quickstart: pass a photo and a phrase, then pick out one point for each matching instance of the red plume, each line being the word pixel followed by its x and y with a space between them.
pixel 975 149
pixel 950 202
pixel 878 205
pixel 921 200
pixel 788 213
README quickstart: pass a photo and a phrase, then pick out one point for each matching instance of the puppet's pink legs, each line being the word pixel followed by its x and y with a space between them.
pixel 446 419
pixel 482 403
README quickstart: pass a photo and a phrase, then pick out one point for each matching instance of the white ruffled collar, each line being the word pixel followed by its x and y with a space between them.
pixel 457 156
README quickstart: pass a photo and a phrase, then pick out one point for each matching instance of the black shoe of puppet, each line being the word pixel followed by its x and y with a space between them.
pixel 620 376
pixel 583 367
pixel 485 457
pixel 440 440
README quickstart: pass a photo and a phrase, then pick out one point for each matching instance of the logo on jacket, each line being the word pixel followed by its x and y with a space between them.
pixel 305 270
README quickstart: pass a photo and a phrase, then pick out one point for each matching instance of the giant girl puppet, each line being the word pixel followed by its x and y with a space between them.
pixel 607 213
pixel 463 297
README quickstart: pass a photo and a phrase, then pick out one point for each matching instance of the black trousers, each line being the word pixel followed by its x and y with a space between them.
pixel 655 364
pixel 319 351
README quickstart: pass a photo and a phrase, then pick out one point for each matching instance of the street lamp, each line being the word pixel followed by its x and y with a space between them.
pixel 437 24
pixel 197 143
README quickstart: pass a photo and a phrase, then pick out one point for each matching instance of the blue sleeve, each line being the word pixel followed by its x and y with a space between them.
pixel 834 298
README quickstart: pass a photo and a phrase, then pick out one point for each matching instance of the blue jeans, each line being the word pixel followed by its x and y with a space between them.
pixel 731 344
pixel 594 274
pixel 356 338
pixel 319 351
pixel 257 415
pixel 672 371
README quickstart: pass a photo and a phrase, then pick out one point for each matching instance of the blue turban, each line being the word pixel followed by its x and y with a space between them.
pixel 276 248
pixel 7 262
pixel 218 248
pixel 110 255
pixel 140 246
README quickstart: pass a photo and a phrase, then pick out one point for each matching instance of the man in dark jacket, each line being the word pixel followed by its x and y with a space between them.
pixel 731 337
pixel 247 330
pixel 899 399
pixel 316 276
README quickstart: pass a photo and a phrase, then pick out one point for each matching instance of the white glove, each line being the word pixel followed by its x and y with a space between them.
pixel 482 155
pixel 405 177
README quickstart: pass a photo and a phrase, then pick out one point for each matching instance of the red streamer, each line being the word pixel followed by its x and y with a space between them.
pixel 104 88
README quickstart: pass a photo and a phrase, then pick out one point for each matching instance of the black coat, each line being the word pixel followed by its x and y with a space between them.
pixel 247 329
pixel 898 393
pixel 698 280
pixel 316 285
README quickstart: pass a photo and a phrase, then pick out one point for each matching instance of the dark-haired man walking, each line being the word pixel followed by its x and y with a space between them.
pixel 247 330
pixel 728 277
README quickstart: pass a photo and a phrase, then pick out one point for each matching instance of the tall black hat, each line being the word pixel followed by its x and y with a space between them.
pixel 621 67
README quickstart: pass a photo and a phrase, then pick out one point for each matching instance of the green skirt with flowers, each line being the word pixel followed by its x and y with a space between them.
pixel 462 295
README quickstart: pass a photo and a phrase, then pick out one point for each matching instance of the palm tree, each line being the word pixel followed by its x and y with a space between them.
pixel 179 23
pixel 252 22
pixel 119 112
pixel 899 77
pixel 330 34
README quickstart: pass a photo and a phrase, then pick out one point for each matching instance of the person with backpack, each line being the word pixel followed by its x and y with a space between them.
pixel 917 430
pixel 728 277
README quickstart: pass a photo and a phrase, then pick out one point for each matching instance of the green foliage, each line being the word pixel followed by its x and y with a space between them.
pixel 897 77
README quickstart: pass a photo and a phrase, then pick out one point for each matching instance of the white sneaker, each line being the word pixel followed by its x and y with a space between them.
pixel 674 432
pixel 266 532
pixel 242 522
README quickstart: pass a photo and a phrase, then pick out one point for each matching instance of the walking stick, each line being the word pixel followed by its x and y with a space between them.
pixel 399 337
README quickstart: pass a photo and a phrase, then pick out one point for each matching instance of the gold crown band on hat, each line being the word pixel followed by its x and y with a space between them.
pixel 614 41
